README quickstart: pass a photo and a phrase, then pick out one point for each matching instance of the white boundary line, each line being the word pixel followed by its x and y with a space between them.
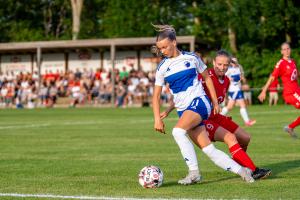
pixel 79 197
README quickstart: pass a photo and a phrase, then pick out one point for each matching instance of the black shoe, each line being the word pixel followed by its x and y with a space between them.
pixel 261 173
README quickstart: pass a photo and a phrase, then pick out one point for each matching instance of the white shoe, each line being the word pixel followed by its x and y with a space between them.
pixel 290 131
pixel 191 178
pixel 246 175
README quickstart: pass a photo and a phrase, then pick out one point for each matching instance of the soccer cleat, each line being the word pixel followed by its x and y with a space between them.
pixel 191 178
pixel 246 175
pixel 250 122
pixel 290 131
pixel 261 173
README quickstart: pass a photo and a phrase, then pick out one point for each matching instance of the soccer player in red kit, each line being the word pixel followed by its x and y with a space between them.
pixel 286 69
pixel 222 128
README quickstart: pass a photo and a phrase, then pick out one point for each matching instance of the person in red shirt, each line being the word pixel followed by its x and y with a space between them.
pixel 286 69
pixel 273 92
pixel 222 128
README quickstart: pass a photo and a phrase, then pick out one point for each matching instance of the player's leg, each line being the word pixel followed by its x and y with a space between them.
pixel 290 128
pixel 198 110
pixel 244 113
pixel 188 120
pixel 242 137
pixel 295 101
pixel 271 98
pixel 237 153
pixel 227 123
pixel 201 139
pixel 229 106
pixel 275 98
pixel 220 128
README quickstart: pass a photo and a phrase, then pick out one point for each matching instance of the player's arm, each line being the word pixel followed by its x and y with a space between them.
pixel 212 91
pixel 262 95
pixel 168 110
pixel 158 123
pixel 243 79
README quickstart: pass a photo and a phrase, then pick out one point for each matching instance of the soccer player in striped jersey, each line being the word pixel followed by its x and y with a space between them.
pixel 180 71
pixel 287 70
pixel 235 93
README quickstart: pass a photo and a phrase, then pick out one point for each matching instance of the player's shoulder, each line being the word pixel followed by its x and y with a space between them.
pixel 279 63
pixel 161 63
pixel 187 53
pixel 191 54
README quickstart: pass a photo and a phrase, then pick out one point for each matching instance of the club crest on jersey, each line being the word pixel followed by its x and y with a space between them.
pixel 187 63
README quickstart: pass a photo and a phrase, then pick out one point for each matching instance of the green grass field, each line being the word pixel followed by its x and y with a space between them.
pixel 99 152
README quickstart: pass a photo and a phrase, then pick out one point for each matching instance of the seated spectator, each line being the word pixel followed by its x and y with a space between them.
pixel 120 94
pixel 43 94
pixel 106 92
pixel 273 92
pixel 53 92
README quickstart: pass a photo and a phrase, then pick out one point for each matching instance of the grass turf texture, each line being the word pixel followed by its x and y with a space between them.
pixel 99 152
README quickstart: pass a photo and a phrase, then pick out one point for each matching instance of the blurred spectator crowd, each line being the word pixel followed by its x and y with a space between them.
pixel 79 87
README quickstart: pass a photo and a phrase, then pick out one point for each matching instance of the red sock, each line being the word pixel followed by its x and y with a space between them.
pixel 295 123
pixel 239 155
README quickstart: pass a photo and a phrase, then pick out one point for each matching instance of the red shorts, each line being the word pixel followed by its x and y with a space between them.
pixel 293 99
pixel 215 121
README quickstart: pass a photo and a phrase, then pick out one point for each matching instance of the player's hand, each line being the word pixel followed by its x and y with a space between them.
pixel 217 109
pixel 163 115
pixel 159 126
pixel 262 96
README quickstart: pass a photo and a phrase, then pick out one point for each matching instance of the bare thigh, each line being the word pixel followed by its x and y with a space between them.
pixel 188 120
pixel 199 135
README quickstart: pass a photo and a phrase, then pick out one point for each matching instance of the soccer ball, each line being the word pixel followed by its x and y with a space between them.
pixel 151 177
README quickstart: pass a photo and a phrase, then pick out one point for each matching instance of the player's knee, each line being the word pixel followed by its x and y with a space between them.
pixel 242 136
pixel 247 139
pixel 230 139
pixel 177 132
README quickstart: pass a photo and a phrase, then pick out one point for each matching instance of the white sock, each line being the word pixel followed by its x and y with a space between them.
pixel 244 114
pixel 186 148
pixel 224 111
pixel 221 159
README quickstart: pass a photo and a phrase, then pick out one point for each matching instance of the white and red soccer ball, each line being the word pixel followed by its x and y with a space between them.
pixel 151 177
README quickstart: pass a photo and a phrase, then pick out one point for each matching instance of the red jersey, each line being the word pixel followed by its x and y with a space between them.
pixel 287 70
pixel 274 86
pixel 216 120
pixel 221 86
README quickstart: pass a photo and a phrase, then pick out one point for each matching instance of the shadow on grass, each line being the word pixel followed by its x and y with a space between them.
pixel 276 168
pixel 280 167
pixel 206 181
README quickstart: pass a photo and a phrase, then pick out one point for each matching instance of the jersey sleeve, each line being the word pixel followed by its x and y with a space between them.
pixel 200 66
pixel 241 70
pixel 159 78
pixel 276 70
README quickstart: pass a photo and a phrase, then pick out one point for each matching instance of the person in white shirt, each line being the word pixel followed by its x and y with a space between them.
pixel 235 93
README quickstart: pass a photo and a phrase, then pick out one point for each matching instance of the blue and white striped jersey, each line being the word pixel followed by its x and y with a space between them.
pixel 181 73
pixel 234 74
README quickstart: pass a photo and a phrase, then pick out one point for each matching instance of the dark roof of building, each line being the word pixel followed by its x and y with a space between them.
pixel 58 45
